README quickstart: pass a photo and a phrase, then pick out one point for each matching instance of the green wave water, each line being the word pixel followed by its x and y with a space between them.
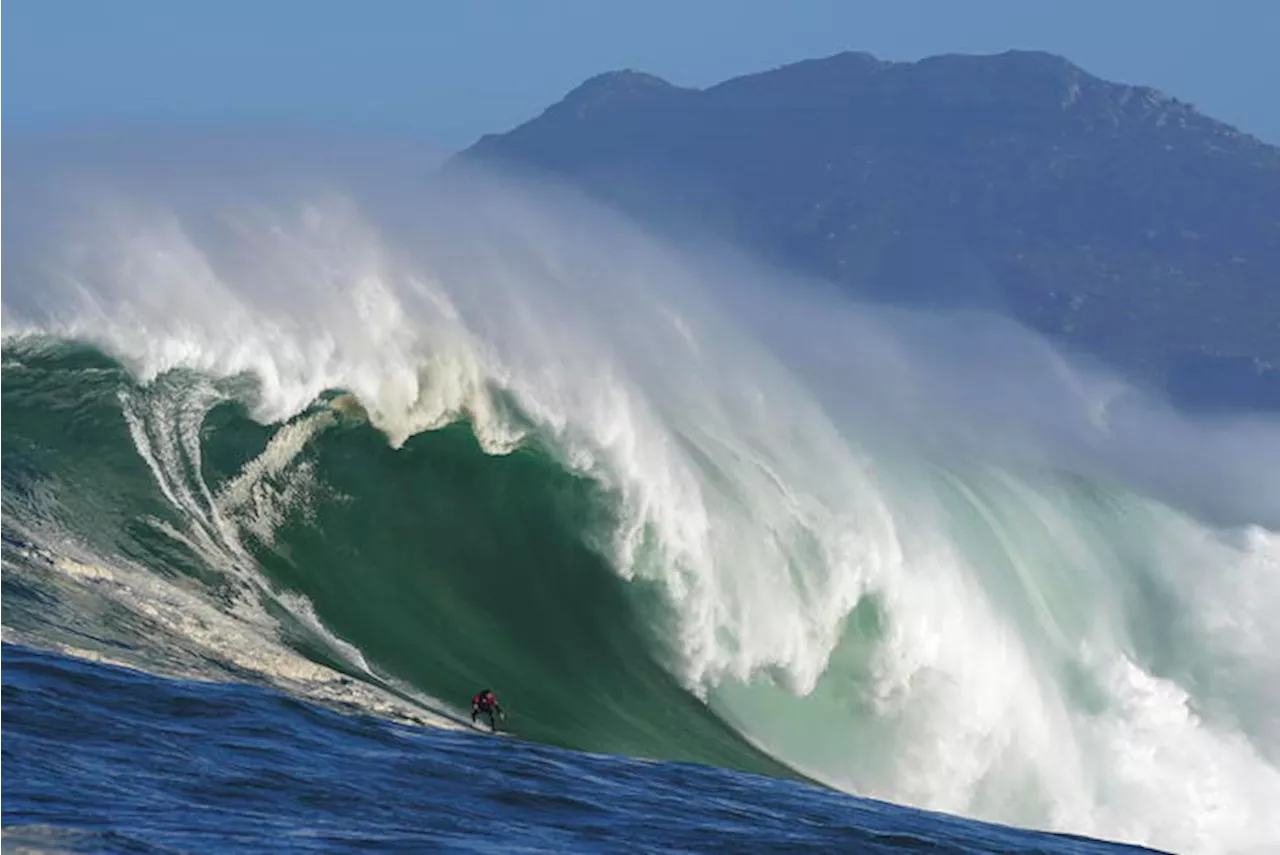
pixel 448 567
pixel 454 569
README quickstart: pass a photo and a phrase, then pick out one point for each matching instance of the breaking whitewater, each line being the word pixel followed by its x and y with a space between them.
pixel 379 442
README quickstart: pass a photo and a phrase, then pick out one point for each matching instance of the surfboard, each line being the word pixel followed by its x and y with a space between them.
pixel 483 727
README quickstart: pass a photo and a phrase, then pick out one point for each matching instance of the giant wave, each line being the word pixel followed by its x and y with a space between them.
pixel 381 442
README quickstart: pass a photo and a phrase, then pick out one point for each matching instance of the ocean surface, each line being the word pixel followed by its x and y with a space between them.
pixel 312 459
pixel 106 759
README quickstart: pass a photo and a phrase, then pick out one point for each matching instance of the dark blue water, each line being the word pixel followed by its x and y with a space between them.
pixel 104 759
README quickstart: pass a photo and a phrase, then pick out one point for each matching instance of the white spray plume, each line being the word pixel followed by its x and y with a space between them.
pixel 781 454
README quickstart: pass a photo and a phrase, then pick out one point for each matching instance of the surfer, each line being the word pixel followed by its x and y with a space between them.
pixel 486 703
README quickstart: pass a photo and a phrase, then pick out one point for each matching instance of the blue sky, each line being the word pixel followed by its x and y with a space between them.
pixel 446 71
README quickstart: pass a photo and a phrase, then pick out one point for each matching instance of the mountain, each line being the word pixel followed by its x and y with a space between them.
pixel 1114 218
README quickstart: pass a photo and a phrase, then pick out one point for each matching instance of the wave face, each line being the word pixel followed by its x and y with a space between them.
pixel 380 443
